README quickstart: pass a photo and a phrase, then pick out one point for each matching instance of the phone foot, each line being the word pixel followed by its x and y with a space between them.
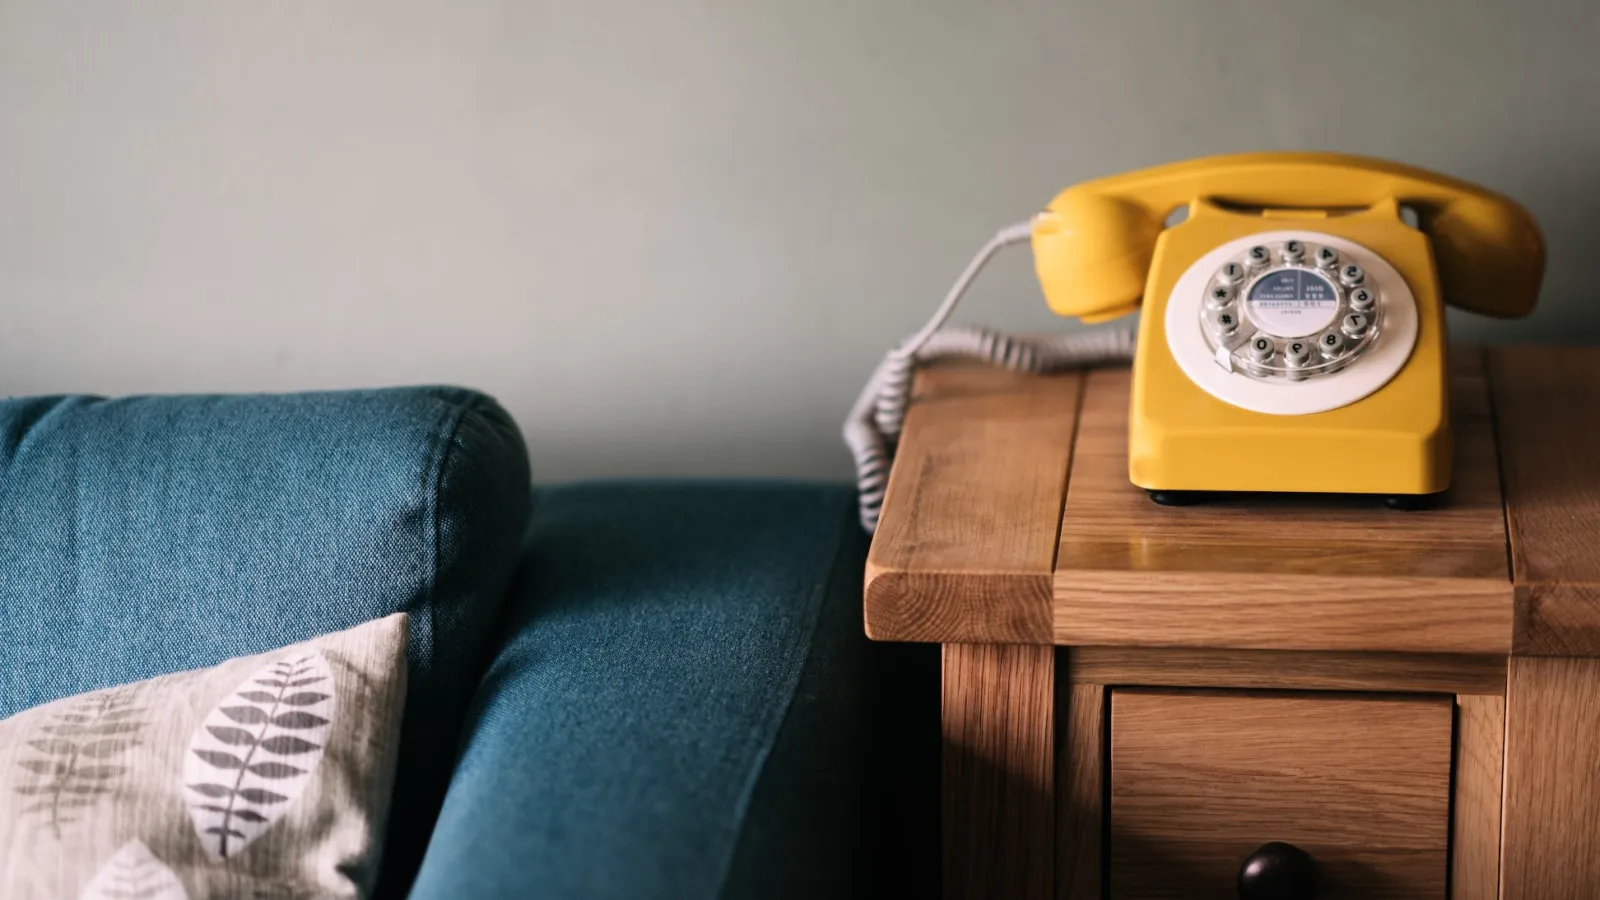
pixel 1176 498
pixel 1413 502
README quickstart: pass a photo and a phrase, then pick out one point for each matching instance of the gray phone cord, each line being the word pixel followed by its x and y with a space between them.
pixel 879 413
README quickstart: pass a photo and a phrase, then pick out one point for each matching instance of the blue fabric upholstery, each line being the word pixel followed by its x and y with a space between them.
pixel 665 647
pixel 152 534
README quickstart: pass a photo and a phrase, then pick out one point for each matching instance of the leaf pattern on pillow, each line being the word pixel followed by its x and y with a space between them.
pixel 254 753
pixel 75 756
pixel 134 873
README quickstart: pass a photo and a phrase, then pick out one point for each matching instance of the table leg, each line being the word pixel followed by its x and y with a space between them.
pixel 998 781
pixel 1479 794
pixel 1551 824
pixel 1080 788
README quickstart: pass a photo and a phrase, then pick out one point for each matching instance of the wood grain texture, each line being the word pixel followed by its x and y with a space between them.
pixel 1199 780
pixel 1544 398
pixel 966 541
pixel 1291 573
pixel 1550 847
pixel 1475 810
pixel 998 771
pixel 1287 670
pixel 1080 780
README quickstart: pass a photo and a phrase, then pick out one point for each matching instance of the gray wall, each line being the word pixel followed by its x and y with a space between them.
pixel 674 237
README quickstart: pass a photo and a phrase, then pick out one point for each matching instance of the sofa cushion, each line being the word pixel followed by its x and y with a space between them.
pixel 148 535
pixel 661 646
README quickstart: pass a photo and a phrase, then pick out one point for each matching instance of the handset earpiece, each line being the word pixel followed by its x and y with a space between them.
pixel 1092 253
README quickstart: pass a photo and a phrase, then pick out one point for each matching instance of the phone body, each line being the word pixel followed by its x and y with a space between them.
pixel 1293 332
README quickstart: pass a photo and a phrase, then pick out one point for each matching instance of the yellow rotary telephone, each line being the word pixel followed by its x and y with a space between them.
pixel 1293 328
pixel 1293 336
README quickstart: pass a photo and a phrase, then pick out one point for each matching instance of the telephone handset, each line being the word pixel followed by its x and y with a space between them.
pixel 1092 244
pixel 1293 329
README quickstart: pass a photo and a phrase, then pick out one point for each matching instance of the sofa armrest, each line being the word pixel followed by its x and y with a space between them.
pixel 147 535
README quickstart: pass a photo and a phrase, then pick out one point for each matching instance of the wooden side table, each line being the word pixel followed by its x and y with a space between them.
pixel 1136 698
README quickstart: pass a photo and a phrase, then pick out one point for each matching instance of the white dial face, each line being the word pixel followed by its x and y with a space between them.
pixel 1292 303
pixel 1291 322
pixel 1275 310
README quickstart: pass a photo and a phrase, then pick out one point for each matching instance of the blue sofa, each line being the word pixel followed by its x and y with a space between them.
pixel 616 690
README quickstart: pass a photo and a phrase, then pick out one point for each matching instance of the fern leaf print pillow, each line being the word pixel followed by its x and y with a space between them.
pixel 266 776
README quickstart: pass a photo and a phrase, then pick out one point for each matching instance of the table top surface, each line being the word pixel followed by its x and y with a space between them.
pixel 1010 519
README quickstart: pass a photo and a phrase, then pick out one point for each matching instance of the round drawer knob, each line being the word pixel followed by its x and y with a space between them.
pixel 1278 871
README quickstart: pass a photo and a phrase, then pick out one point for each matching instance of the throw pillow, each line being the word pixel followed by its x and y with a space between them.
pixel 267 776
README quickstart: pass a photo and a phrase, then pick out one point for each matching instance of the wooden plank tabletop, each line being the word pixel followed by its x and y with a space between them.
pixel 966 540
pixel 1010 518
pixel 1547 403
pixel 1296 573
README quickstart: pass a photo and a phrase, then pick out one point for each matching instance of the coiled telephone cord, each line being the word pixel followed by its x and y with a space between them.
pixel 879 413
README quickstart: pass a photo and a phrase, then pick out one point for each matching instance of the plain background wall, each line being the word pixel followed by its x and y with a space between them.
pixel 675 237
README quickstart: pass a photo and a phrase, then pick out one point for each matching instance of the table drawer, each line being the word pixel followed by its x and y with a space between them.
pixel 1201 779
